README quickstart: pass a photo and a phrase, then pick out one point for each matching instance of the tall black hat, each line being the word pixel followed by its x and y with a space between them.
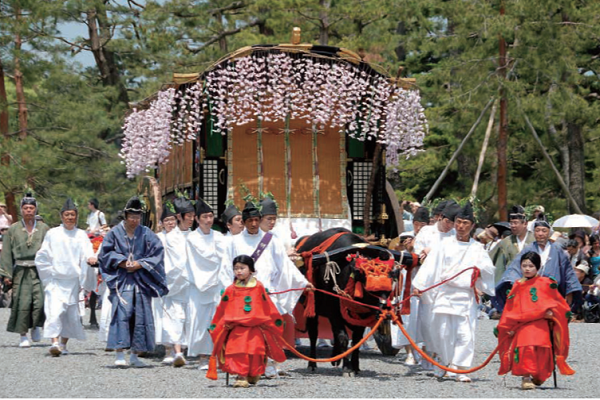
pixel 28 199
pixel 134 206
pixel 467 212
pixel 422 215
pixel 440 207
pixel 168 210
pixel 230 212
pixel 268 206
pixel 68 206
pixel 203 207
pixel 250 211
pixel 183 205
pixel 451 209
pixel 541 221
pixel 517 212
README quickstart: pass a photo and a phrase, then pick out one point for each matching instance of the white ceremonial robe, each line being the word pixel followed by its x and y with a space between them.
pixel 454 304
pixel 428 237
pixel 204 257
pixel 170 311
pixel 409 321
pixel 63 269
pixel 274 269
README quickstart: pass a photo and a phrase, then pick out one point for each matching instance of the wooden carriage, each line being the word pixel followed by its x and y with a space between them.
pixel 322 174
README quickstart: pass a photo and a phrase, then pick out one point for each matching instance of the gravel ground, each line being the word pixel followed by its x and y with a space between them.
pixel 88 372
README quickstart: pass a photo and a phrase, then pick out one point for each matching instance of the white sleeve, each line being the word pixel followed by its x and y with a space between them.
pixel 44 259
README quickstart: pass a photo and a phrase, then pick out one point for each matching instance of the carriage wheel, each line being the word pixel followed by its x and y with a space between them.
pixel 383 338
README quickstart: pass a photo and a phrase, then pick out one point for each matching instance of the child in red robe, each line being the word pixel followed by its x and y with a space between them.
pixel 534 310
pixel 246 328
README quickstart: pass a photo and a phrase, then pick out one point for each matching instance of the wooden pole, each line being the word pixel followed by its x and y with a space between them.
pixel 547 156
pixel 456 153
pixel 486 140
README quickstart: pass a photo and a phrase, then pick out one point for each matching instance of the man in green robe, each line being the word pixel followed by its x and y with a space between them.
pixel 17 266
pixel 508 248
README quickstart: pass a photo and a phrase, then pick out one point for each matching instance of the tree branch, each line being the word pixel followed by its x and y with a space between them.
pixel 233 6
pixel 220 36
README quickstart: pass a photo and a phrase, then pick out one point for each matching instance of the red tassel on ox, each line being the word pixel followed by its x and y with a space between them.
pixel 309 310
pixel 212 369
pixel 358 290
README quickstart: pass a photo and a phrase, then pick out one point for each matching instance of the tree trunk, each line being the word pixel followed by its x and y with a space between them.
pixel 99 32
pixel 576 164
pixel 9 197
pixel 324 17
pixel 223 39
pixel 22 105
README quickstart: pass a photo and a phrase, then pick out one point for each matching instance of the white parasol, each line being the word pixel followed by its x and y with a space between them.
pixel 576 221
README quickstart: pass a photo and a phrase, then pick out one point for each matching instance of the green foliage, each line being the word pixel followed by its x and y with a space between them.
pixel 452 50
pixel 75 113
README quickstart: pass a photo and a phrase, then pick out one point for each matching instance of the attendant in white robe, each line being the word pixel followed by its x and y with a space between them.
pixel 273 266
pixel 410 321
pixel 232 218
pixel 454 304
pixel 170 311
pixel 63 263
pixel 205 249
pixel 429 238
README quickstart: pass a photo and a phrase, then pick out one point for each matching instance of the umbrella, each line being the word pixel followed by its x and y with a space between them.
pixel 576 221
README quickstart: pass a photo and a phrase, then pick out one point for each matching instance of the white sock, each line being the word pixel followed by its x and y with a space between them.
pixel 120 355
pixel 133 357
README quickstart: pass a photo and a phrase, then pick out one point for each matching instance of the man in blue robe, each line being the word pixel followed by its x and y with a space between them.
pixel 555 264
pixel 132 264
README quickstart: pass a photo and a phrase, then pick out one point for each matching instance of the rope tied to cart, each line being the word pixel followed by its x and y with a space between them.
pixel 392 315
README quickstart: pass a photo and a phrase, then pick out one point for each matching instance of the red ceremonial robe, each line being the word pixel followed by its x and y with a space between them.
pixel 246 329
pixel 529 353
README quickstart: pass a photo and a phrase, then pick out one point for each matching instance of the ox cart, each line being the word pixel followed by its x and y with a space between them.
pixel 313 125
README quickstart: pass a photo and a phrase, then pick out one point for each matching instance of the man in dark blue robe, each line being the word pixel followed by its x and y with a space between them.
pixel 132 264
pixel 555 264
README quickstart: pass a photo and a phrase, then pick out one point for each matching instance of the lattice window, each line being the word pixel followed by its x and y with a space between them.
pixel 362 172
pixel 210 183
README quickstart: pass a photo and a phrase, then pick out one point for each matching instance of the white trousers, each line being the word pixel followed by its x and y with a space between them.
pixel 61 307
pixel 171 321
pixel 455 342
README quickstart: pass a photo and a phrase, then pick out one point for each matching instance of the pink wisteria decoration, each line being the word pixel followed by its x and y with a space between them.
pixel 147 135
pixel 271 87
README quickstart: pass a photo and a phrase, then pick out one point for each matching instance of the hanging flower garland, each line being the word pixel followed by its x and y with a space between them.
pixel 269 87
pixel 147 135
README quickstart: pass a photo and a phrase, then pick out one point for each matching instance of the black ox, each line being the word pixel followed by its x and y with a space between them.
pixel 329 306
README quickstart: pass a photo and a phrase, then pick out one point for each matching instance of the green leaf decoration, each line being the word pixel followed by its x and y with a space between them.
pixel 225 298
pixel 169 206
pixel 278 322
pixel 247 308
pixel 496 333
pixel 248 299
pixel 553 285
